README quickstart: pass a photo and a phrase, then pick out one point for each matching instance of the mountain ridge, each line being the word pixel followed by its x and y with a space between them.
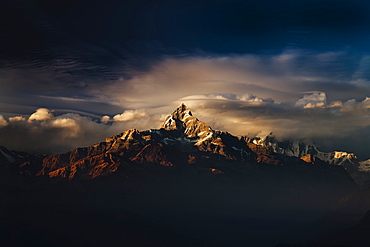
pixel 357 169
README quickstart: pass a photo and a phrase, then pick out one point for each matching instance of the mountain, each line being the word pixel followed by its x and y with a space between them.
pixel 357 169
pixel 184 184
pixel 181 141
pixel 8 157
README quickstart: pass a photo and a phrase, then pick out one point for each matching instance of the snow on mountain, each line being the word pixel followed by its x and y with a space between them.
pixel 365 165
pixel 183 120
pixel 301 148
pixel 359 171
pixel 8 157
pixel 191 133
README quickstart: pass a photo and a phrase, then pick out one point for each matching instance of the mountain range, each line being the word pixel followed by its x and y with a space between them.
pixel 184 184
pixel 358 170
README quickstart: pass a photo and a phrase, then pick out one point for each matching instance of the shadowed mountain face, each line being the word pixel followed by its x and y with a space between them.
pixel 184 184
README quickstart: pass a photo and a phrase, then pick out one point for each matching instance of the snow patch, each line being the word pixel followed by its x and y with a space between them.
pixel 155 131
pixel 209 135
pixel 338 155
pixel 8 157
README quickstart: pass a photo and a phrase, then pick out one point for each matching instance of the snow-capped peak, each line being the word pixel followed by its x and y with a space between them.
pixel 183 120
pixel 299 149
pixel 340 154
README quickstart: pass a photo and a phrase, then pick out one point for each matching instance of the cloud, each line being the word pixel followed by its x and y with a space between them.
pixel 313 100
pixel 246 98
pixel 310 117
pixel 3 122
pixel 41 114
pixel 105 119
pixel 17 118
pixel 130 115
pixel 281 77
pixel 45 132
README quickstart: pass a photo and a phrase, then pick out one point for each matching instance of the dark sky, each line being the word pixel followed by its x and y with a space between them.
pixel 298 68
pixel 106 32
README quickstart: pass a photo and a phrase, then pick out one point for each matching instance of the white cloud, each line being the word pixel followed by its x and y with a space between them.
pixel 249 97
pixel 51 134
pixel 245 99
pixel 17 118
pixel 57 134
pixel 41 114
pixel 3 122
pixel 314 105
pixel 366 103
pixel 68 124
pixel 313 100
pixel 105 119
pixel 130 115
pixel 335 104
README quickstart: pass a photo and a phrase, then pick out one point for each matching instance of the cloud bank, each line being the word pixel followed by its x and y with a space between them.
pixel 44 132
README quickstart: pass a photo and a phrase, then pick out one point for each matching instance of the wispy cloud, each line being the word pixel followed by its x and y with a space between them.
pixel 130 115
pixel 281 77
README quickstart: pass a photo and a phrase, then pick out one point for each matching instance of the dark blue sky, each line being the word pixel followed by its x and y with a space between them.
pixel 218 26
pixel 147 29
